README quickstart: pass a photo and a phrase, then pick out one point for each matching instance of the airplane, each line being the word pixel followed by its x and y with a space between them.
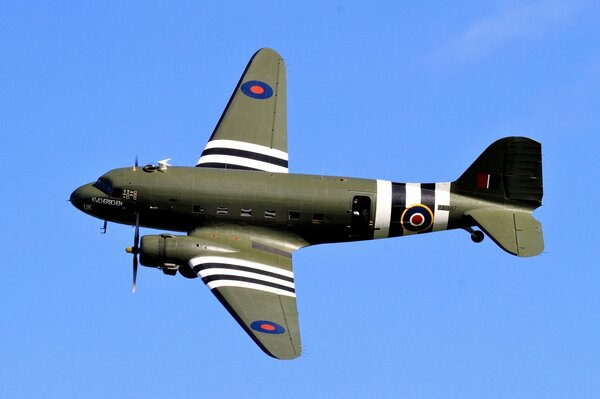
pixel 244 214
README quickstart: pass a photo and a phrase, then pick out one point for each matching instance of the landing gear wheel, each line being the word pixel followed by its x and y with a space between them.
pixel 187 272
pixel 477 236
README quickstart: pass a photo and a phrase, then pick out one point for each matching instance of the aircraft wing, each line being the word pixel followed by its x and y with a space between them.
pixel 252 132
pixel 254 280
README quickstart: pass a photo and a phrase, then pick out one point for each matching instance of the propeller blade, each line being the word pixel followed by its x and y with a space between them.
pixel 136 250
pixel 135 267
pixel 136 238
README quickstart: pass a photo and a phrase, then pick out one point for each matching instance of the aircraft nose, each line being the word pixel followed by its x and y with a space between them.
pixel 81 195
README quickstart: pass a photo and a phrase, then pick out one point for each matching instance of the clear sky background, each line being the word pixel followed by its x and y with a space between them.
pixel 397 90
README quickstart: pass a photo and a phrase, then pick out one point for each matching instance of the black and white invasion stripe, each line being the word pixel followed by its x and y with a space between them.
pixel 394 198
pixel 233 154
pixel 218 271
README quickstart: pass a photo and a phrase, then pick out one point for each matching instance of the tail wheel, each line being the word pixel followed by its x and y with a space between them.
pixel 477 236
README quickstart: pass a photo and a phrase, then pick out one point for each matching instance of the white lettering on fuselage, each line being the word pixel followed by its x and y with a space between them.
pixel 130 194
pixel 107 201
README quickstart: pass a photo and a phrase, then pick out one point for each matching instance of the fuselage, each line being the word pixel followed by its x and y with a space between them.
pixel 320 209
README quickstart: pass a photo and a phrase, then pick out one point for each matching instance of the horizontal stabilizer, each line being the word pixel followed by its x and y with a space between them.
pixel 517 232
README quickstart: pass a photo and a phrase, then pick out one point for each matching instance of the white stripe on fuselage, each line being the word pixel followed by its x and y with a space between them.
pixel 413 194
pixel 442 197
pixel 383 209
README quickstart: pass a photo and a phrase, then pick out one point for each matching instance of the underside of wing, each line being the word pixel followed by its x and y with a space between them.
pixel 252 132
pixel 255 283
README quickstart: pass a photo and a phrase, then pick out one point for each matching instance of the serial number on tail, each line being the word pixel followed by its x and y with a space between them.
pixel 446 208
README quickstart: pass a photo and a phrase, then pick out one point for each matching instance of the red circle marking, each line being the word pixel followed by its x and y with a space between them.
pixel 267 327
pixel 256 89
pixel 417 219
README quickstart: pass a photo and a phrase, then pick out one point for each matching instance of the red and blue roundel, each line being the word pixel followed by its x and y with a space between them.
pixel 268 327
pixel 257 89
pixel 417 218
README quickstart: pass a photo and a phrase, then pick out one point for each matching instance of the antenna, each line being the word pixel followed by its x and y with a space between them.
pixel 162 165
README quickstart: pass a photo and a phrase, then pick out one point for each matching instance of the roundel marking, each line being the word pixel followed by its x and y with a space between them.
pixel 266 326
pixel 417 218
pixel 257 89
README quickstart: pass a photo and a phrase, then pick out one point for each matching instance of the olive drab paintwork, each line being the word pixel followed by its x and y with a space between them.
pixel 318 208
pixel 242 215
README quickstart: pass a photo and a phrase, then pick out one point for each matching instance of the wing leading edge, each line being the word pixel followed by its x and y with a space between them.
pixel 252 132
pixel 255 283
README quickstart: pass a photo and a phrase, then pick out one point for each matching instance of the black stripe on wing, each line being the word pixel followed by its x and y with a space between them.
pixel 205 266
pixel 217 277
pixel 219 165
pixel 246 154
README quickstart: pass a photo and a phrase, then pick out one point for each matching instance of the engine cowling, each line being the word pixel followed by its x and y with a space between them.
pixel 170 252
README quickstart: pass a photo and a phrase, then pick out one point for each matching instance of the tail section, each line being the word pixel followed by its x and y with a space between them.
pixel 508 170
pixel 503 186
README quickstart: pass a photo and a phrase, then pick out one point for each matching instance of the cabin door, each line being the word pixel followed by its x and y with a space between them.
pixel 361 223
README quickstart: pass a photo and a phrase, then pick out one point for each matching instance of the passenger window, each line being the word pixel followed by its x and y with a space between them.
pixel 222 210
pixel 294 215
pixel 246 212
pixel 270 214
pixel 318 217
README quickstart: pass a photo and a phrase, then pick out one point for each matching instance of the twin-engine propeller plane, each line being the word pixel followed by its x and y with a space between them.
pixel 245 215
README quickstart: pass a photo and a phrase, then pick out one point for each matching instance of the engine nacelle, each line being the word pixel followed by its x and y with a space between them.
pixel 172 253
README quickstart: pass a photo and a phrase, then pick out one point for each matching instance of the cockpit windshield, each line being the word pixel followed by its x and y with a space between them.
pixel 104 186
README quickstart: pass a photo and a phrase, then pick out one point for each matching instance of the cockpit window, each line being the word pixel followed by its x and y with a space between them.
pixel 103 186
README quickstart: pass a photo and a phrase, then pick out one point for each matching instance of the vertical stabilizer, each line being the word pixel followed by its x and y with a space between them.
pixel 508 170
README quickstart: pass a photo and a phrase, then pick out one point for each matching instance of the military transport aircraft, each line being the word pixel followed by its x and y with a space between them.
pixel 245 215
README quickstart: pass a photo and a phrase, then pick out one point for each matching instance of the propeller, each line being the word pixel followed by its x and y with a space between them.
pixel 135 250
pixel 135 165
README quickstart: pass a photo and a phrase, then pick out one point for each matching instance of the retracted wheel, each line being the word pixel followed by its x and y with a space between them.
pixel 477 236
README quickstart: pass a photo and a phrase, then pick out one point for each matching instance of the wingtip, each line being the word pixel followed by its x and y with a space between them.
pixel 266 51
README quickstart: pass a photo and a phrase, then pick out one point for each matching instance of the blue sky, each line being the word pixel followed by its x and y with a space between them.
pixel 393 90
